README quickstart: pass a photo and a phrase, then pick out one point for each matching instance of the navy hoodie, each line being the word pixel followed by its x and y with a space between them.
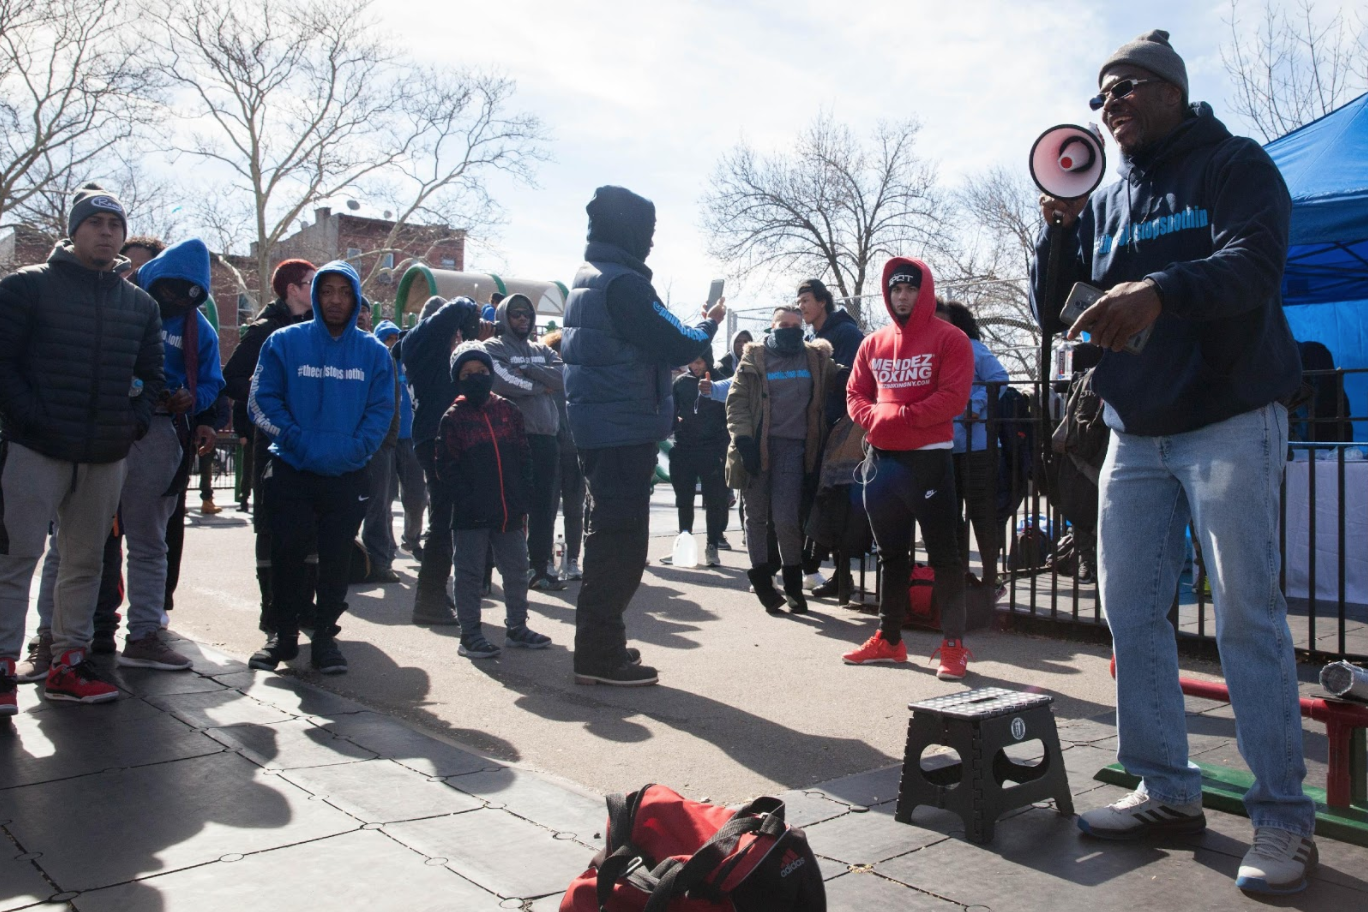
pixel 326 403
pixel 425 352
pixel 1205 215
pixel 188 260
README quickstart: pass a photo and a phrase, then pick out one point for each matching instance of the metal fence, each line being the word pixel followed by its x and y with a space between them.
pixel 1323 539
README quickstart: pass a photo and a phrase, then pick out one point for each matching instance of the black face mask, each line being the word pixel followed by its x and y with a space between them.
pixel 788 340
pixel 176 296
pixel 476 388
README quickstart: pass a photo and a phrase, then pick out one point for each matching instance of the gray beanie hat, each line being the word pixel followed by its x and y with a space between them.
pixel 1153 52
pixel 90 199
pixel 469 351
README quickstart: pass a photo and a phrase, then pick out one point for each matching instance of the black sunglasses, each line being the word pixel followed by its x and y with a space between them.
pixel 1116 91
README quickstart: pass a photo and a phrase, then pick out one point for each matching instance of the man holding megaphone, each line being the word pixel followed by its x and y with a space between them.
pixel 1190 244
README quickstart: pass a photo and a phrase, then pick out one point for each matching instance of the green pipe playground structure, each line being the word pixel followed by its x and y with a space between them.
pixel 422 282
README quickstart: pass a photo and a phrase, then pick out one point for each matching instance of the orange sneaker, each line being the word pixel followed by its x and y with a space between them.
pixel 954 660
pixel 876 649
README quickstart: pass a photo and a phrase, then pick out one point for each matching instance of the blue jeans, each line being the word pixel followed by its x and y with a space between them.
pixel 1225 479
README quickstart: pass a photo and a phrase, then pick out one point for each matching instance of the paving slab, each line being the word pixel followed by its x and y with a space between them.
pixel 492 849
pixel 75 740
pixel 293 744
pixel 804 808
pixel 557 806
pixel 382 791
pixel 289 694
pixel 104 829
pixel 147 682
pixel 862 891
pixel 866 839
pixel 864 789
pixel 20 883
pixel 386 876
pixel 214 710
pixel 397 741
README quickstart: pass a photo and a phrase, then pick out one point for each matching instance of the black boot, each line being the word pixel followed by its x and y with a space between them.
pixel 277 649
pixel 267 623
pixel 793 589
pixel 762 578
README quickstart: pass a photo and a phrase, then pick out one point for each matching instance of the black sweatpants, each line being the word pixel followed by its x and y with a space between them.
pixel 976 484
pixel 688 467
pixel 541 512
pixel 619 492
pixel 571 485
pixel 435 567
pixel 304 506
pixel 903 489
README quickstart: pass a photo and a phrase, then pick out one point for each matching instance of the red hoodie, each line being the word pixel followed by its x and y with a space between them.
pixel 911 380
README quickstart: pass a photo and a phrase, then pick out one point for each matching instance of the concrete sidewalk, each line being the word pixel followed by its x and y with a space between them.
pixel 224 788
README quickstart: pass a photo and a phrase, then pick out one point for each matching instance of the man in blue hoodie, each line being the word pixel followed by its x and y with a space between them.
pixel 1191 242
pixel 159 463
pixel 324 392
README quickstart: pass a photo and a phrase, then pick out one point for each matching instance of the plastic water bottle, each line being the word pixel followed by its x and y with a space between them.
pixel 560 556
pixel 685 552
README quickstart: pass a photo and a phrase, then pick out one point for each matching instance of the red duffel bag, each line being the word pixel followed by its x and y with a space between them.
pixel 664 853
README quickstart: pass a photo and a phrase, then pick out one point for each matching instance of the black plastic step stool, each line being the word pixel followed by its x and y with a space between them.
pixel 978 725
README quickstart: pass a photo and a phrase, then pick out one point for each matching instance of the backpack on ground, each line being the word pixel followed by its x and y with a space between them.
pixel 664 853
pixel 922 610
pixel 1032 546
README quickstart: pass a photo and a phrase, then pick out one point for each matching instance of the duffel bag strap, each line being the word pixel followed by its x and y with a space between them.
pixel 622 812
pixel 614 868
pixel 677 879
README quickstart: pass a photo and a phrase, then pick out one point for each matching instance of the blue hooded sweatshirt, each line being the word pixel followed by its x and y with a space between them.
pixel 326 403
pixel 383 332
pixel 188 260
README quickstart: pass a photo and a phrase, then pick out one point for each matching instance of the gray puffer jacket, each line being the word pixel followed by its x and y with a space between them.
pixel 72 340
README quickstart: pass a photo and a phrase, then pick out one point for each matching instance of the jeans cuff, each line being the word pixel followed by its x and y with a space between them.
pixel 1304 831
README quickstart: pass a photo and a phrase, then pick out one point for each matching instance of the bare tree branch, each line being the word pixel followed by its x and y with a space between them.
pixel 831 207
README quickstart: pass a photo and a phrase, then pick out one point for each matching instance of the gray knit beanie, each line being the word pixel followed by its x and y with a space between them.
pixel 90 199
pixel 469 351
pixel 1153 52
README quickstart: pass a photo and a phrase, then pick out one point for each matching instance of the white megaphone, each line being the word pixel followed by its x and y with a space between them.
pixel 1068 161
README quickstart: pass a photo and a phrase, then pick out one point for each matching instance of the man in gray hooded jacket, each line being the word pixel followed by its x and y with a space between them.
pixel 529 374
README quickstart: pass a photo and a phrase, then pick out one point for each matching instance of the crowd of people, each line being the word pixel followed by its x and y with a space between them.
pixel 110 385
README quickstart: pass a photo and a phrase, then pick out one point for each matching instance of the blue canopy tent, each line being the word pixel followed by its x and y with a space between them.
pixel 1325 288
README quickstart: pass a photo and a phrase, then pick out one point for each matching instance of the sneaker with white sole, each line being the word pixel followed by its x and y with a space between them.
pixel 710 558
pixel 1138 815
pixel 72 678
pixel 152 652
pixel 1278 862
pixel 35 665
pixel 813 580
pixel 573 571
pixel 526 638
pixel 476 646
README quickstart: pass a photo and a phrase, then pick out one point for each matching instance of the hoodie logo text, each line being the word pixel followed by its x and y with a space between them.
pixel 329 372
pixel 899 372
pixel 1188 219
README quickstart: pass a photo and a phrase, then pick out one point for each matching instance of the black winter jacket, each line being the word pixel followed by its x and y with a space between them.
pixel 484 461
pixel 699 424
pixel 425 352
pixel 72 341
pixel 237 373
pixel 1205 215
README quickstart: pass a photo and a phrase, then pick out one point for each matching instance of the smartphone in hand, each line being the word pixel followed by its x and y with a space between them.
pixel 1081 297
pixel 715 292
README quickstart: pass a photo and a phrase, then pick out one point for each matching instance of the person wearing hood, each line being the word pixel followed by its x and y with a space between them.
pixel 910 381
pixel 1190 243
pixel 620 344
pixel 483 458
pixel 81 367
pixel 324 392
pixel 159 464
pixel 528 374
pixel 777 426
pixel 727 366
pixel 425 353
pixel 292 282
pixel 407 482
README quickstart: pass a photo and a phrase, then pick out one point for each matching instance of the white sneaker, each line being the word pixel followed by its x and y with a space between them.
pixel 1278 862
pixel 1138 815
pixel 813 580
pixel 573 571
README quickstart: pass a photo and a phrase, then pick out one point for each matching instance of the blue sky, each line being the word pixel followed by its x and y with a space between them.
pixel 650 95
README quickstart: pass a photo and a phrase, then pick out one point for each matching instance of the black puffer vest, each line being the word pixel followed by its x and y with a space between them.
pixel 617 394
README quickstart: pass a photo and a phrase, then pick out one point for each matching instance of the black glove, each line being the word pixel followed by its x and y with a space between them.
pixel 750 454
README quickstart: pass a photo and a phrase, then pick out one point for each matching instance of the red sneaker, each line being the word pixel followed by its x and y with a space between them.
pixel 876 649
pixel 954 660
pixel 73 678
pixel 9 700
